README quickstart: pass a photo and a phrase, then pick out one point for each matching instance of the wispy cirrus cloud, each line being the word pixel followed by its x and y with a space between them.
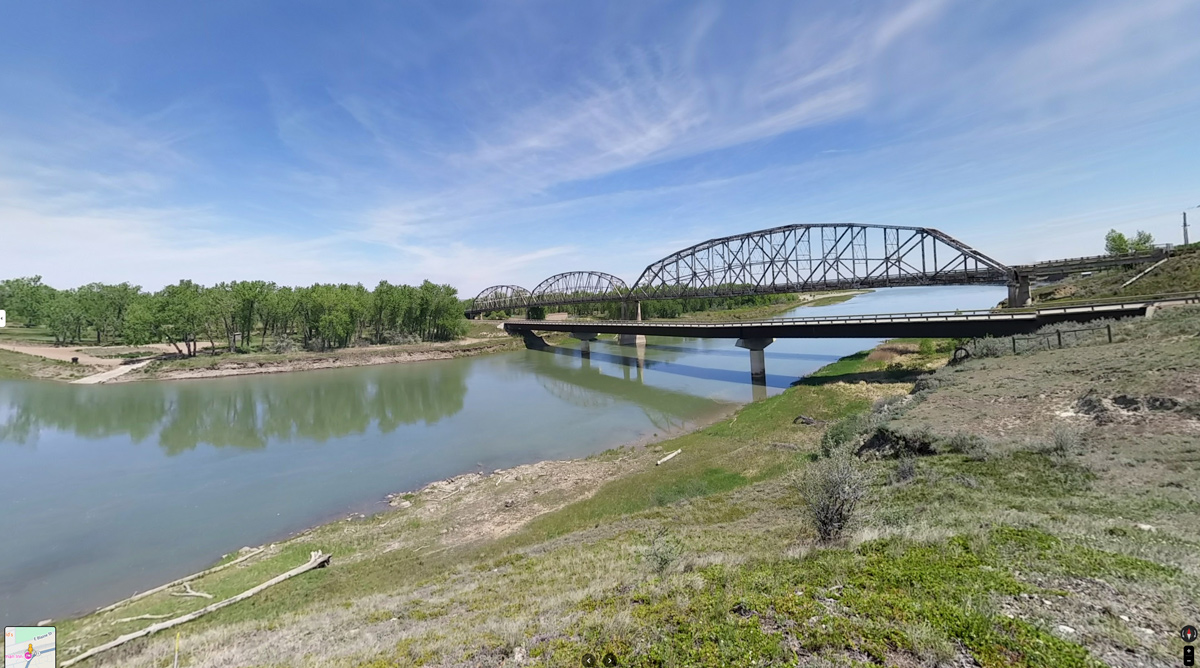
pixel 529 139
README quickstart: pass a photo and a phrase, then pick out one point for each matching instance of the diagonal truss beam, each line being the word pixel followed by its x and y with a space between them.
pixel 781 259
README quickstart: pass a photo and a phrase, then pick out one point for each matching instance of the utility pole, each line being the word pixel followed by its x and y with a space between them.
pixel 1185 236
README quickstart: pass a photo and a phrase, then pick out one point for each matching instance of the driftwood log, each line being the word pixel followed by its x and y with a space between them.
pixel 188 591
pixel 180 581
pixel 317 560
pixel 668 457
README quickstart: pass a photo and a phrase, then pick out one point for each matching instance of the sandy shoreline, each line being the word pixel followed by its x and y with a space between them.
pixel 116 370
pixel 371 356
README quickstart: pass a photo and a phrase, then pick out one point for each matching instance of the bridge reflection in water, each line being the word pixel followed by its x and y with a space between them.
pixel 634 363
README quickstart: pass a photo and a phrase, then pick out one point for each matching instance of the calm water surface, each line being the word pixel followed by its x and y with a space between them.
pixel 114 489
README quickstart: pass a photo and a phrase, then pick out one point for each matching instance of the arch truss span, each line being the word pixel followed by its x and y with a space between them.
pixel 499 297
pixel 828 256
pixel 579 287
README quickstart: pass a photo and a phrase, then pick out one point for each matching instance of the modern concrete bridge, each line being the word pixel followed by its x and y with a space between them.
pixel 756 336
pixel 796 258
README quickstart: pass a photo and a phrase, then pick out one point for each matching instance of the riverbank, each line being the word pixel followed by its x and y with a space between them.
pixel 1027 510
pixel 34 361
pixel 37 359
pixel 807 299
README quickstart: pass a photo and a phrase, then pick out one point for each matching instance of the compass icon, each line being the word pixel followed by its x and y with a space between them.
pixel 1188 633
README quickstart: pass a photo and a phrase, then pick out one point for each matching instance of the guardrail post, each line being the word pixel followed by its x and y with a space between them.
pixel 1014 340
pixel 1059 332
pixel 1109 328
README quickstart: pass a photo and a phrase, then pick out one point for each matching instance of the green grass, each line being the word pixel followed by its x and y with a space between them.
pixel 882 600
pixel 15 333
pixel 981 555
pixel 1181 273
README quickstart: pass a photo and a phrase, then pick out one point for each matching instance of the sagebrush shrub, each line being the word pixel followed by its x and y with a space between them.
pixel 832 489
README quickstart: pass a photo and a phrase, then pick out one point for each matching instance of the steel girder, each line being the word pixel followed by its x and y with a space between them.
pixel 578 287
pixel 798 258
pixel 499 297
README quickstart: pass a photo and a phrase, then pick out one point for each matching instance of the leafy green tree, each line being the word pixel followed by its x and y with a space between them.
pixel 65 317
pixel 140 324
pixel 181 315
pixel 1142 241
pixel 1115 243
pixel 26 299
pixel 249 296
pixel 219 306
pixel 276 311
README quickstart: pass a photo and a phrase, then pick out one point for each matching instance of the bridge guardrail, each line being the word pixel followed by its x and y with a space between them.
pixel 1114 304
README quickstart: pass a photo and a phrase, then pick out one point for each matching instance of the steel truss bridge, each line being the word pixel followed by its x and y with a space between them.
pixel 795 258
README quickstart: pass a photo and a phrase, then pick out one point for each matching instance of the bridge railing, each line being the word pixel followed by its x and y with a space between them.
pixel 1149 297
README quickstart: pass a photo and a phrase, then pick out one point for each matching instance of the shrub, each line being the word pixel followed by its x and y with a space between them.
pixel 282 346
pixel 970 445
pixel 927 347
pixel 989 347
pixel 1064 440
pixel 924 383
pixel 906 469
pixel 662 552
pixel 886 441
pixel 397 337
pixel 846 433
pixel 889 406
pixel 832 489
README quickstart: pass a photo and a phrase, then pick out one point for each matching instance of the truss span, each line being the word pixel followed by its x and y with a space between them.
pixel 579 287
pixel 800 258
pixel 499 297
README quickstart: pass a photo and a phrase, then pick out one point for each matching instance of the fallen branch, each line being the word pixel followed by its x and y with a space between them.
pixel 134 619
pixel 317 560
pixel 180 581
pixel 668 457
pixel 191 592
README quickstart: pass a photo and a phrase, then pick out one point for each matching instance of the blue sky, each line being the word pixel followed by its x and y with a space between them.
pixel 501 142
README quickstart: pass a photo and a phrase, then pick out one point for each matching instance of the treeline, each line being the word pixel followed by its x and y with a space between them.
pixel 318 317
pixel 658 308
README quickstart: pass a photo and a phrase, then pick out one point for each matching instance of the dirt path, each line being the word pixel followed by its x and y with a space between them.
pixel 106 376
pixel 59 353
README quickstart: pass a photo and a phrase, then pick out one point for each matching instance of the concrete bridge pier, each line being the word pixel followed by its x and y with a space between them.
pixel 631 339
pixel 585 342
pixel 758 359
pixel 1018 293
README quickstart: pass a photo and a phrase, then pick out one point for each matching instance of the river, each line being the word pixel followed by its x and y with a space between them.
pixel 117 488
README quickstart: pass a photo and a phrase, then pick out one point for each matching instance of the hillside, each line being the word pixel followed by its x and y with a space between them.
pixel 1181 273
pixel 1019 510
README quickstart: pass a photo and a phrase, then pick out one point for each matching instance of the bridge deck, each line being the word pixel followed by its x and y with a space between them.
pixel 887 325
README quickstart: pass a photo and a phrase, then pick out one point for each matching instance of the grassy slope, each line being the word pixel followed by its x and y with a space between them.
pixel 1013 555
pixel 1181 273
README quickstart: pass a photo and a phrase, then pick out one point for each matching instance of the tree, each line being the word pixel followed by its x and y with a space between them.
pixel 140 325
pixel 65 317
pixel 220 315
pixel 249 297
pixel 1115 243
pixel 1142 241
pixel 27 299
pixel 180 315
